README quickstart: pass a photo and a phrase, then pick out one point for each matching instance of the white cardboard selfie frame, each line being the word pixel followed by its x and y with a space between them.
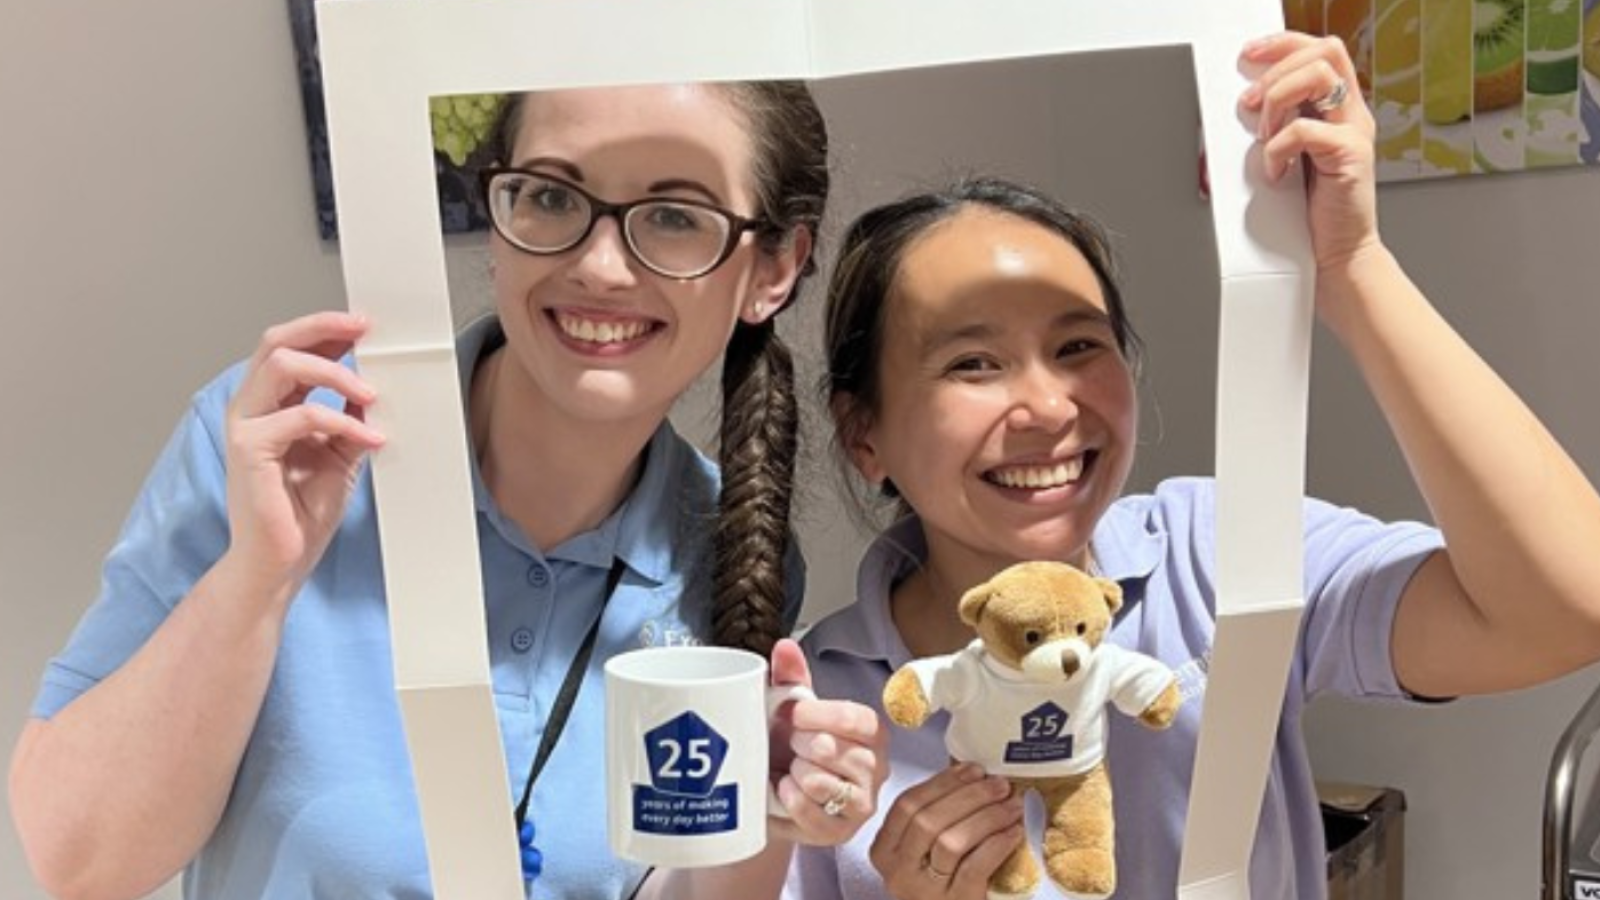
pixel 383 59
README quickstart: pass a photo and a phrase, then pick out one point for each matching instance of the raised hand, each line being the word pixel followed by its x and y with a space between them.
pixel 1310 108
pixel 292 464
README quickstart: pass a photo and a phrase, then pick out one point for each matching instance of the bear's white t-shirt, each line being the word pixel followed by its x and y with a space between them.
pixel 1015 726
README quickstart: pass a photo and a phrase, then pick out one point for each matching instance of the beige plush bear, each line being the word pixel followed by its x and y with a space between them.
pixel 1027 700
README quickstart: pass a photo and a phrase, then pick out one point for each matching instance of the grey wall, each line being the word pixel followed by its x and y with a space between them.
pixel 157 216
pixel 1512 261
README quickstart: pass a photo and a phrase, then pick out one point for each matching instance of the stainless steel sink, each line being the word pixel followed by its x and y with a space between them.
pixel 1572 830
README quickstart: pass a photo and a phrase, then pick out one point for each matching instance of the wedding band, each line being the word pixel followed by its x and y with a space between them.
pixel 1334 99
pixel 930 871
pixel 835 804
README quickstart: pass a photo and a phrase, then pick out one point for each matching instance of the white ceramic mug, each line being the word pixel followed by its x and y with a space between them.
pixel 686 754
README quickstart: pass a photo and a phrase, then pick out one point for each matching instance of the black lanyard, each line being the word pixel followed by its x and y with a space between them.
pixel 568 693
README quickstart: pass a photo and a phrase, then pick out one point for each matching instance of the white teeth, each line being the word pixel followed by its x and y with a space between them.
pixel 603 333
pixel 1039 477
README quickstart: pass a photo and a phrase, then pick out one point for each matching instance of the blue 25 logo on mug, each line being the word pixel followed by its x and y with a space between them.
pixel 685 755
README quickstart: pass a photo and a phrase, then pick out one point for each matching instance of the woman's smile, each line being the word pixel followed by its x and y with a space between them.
pixel 1043 478
pixel 602 334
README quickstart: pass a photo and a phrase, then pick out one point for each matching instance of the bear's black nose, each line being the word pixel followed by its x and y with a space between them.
pixel 1069 663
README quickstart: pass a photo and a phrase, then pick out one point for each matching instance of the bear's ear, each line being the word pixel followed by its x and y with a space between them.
pixel 1112 592
pixel 973 601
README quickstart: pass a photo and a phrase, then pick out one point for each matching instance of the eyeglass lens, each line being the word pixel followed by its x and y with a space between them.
pixel 548 216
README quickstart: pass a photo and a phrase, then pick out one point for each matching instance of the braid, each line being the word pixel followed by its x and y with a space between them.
pixel 751 539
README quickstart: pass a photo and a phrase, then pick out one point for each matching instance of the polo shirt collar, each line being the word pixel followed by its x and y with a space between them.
pixel 1128 543
pixel 647 522
pixel 1127 548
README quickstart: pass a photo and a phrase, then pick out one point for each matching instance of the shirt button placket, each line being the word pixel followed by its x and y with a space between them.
pixel 538 576
pixel 522 637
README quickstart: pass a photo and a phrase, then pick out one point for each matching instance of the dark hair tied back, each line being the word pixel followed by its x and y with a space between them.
pixel 869 262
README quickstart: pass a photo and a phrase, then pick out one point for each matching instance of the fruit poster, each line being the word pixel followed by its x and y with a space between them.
pixel 1471 86
pixel 461 139
pixel 1457 86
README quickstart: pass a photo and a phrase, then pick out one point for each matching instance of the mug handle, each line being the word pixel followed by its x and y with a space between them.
pixel 778 695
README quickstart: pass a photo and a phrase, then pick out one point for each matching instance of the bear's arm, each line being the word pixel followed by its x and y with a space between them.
pixel 924 686
pixel 950 681
pixel 1143 686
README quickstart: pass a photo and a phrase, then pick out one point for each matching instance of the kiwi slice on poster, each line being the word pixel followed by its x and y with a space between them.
pixel 1498 27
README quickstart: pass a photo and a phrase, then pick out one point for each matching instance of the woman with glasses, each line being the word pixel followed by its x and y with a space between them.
pixel 226 707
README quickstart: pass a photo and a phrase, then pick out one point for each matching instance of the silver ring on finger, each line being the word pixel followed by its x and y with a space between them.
pixel 834 806
pixel 932 871
pixel 1333 99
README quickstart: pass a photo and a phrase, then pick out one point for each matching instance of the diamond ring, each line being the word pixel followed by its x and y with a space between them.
pixel 835 804
pixel 1334 98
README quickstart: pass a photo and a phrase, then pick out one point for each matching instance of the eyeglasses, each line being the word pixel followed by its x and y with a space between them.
pixel 545 215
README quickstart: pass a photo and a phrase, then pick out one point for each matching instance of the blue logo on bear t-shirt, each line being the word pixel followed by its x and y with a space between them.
pixel 1044 736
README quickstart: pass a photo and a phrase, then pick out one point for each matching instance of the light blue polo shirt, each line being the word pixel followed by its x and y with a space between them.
pixel 323 804
pixel 1161 548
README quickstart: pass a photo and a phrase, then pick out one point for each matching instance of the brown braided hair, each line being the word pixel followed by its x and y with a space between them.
pixel 760 416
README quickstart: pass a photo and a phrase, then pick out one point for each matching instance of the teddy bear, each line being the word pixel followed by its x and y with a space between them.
pixel 1027 700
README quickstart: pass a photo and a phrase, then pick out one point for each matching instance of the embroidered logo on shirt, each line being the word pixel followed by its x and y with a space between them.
pixel 1044 736
pixel 655 633
pixel 1192 676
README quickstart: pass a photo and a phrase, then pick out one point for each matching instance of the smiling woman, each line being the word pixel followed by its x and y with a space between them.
pixel 238 657
pixel 994 316
pixel 980 371
pixel 1112 132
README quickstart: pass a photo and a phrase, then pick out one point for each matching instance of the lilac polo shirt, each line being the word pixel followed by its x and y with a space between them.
pixel 1161 548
